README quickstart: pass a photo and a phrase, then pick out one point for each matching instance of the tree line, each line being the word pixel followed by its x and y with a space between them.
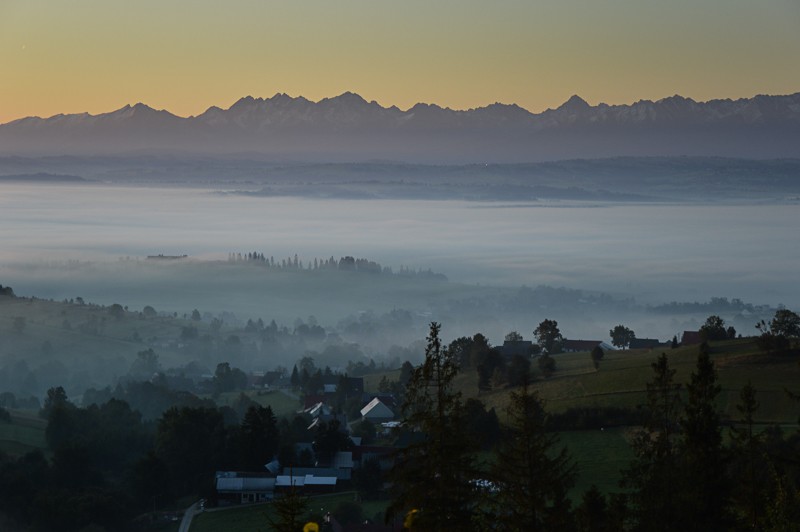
pixel 683 477
pixel 346 263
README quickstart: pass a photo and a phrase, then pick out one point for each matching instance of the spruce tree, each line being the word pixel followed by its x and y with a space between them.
pixel 750 476
pixel 706 488
pixel 652 477
pixel 434 475
pixel 288 512
pixel 530 474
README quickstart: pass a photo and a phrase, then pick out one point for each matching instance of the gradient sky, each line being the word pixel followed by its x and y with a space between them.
pixel 60 56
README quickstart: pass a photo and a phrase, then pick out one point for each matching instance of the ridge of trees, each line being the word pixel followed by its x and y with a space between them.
pixel 346 263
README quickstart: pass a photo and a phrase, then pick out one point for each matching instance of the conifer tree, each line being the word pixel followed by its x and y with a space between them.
pixel 705 493
pixel 434 474
pixel 750 477
pixel 288 512
pixel 652 476
pixel 531 475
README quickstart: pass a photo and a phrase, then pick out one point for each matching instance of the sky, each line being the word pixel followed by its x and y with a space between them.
pixel 59 56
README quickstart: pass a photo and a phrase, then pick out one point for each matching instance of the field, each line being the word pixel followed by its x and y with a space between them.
pixel 281 403
pixel 254 517
pixel 621 380
pixel 25 433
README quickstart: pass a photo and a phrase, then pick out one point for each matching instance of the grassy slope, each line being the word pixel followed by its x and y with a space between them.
pixel 599 455
pixel 25 433
pixel 254 517
pixel 281 404
pixel 620 382
pixel 623 375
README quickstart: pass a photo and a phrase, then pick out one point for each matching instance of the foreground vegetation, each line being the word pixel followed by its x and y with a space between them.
pixel 585 441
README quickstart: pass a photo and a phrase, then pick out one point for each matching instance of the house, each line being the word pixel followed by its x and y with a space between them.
pixel 386 398
pixel 305 483
pixel 318 409
pixel 511 348
pixel 241 488
pixel 691 338
pixel 575 346
pixel 644 343
pixel 377 412
pixel 341 467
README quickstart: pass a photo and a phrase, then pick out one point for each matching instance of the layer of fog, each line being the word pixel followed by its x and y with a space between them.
pixel 66 241
pixel 651 252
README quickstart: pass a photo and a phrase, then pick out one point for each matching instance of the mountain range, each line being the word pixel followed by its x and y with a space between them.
pixel 349 128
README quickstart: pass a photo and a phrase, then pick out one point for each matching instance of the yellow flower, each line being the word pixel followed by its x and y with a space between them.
pixel 408 522
pixel 311 526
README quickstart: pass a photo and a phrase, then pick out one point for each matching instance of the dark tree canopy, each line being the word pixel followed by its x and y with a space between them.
pixel 621 336
pixel 714 329
pixel 513 336
pixel 434 474
pixel 703 469
pixel 785 323
pixel 597 355
pixel 652 477
pixel 531 473
pixel 549 336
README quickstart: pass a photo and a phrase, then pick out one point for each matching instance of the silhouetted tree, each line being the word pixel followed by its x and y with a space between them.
pixel 652 477
pixel 713 329
pixel 434 473
pixel 288 511
pixel 750 478
pixel 621 336
pixel 785 323
pixel 513 336
pixel 191 441
pixel 597 355
pixel 549 336
pixel 592 514
pixel 532 476
pixel 258 438
pixel 706 486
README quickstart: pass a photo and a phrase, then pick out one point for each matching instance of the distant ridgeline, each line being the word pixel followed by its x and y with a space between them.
pixel 348 264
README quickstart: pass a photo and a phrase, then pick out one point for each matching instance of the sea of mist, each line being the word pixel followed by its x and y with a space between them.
pixel 91 240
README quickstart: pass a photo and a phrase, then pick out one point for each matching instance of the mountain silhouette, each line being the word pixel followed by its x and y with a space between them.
pixel 349 128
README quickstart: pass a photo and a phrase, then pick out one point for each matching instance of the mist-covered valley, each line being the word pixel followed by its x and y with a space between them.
pixel 365 276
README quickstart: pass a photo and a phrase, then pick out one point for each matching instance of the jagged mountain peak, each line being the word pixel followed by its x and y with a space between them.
pixel 574 104
pixel 347 126
pixel 676 98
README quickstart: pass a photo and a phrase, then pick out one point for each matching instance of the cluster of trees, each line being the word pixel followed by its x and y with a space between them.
pixel 776 334
pixel 438 484
pixel 714 330
pixel 347 263
pixel 683 476
pixel 109 464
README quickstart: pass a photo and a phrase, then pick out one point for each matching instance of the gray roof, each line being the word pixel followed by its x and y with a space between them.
pixel 285 481
pixel 245 484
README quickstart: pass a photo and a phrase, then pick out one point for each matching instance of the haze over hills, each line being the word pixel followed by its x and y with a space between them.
pixel 348 128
